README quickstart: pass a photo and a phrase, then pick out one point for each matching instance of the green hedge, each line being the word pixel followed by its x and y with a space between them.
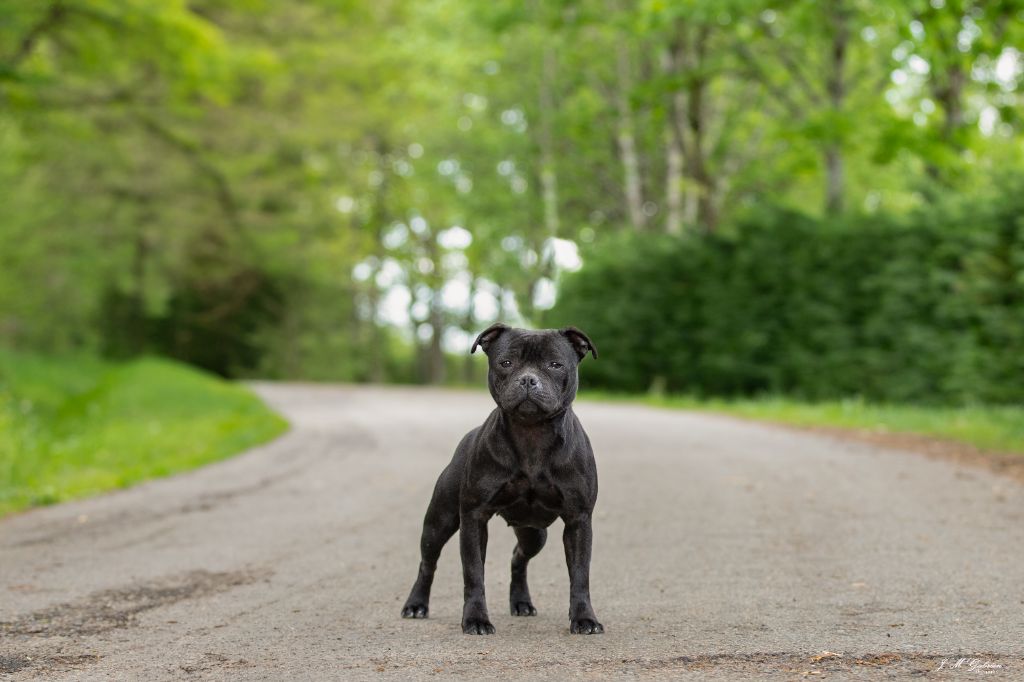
pixel 925 308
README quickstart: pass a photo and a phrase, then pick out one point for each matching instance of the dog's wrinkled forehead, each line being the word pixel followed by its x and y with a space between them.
pixel 500 338
pixel 534 345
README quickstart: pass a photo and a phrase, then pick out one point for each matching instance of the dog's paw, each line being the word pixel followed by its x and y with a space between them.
pixel 523 608
pixel 585 626
pixel 477 626
pixel 415 611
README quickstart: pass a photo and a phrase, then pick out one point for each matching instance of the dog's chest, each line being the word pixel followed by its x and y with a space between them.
pixel 528 500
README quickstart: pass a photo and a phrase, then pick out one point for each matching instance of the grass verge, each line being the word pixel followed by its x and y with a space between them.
pixel 997 429
pixel 76 426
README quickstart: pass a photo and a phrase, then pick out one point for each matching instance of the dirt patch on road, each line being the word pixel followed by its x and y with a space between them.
pixel 51 663
pixel 119 608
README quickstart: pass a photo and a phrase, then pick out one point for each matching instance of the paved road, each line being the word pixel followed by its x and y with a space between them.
pixel 723 550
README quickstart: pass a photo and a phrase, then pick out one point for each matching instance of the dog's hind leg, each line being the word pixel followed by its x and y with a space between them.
pixel 531 540
pixel 439 524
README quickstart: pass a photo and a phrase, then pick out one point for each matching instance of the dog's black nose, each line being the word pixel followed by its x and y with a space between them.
pixel 529 381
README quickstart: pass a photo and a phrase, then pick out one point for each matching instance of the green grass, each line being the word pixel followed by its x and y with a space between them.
pixel 999 429
pixel 76 426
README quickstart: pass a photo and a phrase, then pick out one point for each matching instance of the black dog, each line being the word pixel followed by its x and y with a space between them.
pixel 530 463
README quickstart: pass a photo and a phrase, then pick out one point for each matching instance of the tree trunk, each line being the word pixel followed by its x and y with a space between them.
pixel 632 187
pixel 379 217
pixel 673 162
pixel 469 325
pixel 951 97
pixel 834 179
pixel 707 215
pixel 435 351
pixel 501 304
pixel 418 373
pixel 673 183
pixel 834 171
pixel 548 174
pixel 137 333
pixel 376 340
pixel 948 92
pixel 689 113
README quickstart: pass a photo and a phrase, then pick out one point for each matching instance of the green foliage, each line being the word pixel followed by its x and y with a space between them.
pixel 928 308
pixel 263 187
pixel 75 426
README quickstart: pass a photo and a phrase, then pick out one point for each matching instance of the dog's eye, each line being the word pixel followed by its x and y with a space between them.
pixel 555 365
pixel 505 363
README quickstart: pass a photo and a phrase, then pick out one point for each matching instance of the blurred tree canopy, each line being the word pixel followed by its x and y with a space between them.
pixel 347 189
pixel 927 308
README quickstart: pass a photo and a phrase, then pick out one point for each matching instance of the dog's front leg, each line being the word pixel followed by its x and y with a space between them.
pixel 577 539
pixel 473 543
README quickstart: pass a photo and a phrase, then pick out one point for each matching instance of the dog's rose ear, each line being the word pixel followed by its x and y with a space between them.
pixel 581 343
pixel 488 336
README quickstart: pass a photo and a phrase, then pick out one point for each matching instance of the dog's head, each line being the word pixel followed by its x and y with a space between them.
pixel 532 374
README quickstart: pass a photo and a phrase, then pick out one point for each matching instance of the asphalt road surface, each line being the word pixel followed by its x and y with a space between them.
pixel 723 550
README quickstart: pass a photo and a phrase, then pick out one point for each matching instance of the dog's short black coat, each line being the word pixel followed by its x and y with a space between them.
pixel 530 463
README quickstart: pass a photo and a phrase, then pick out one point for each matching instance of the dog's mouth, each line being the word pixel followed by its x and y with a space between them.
pixel 528 407
pixel 532 407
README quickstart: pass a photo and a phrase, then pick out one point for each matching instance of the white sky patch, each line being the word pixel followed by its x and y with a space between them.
pixel 918 65
pixel 485 305
pixel 566 254
pixel 390 274
pixel 345 204
pixel 455 261
pixel 396 236
pixel 394 306
pixel 420 309
pixel 511 309
pixel 987 120
pixel 544 294
pixel 362 271
pixel 456 340
pixel 455 293
pixel 418 224
pixel 1008 67
pixel 455 237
